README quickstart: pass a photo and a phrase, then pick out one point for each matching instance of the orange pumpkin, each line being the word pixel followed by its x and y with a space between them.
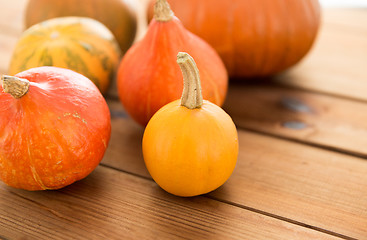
pixel 54 126
pixel 190 146
pixel 148 76
pixel 80 44
pixel 254 38
pixel 118 15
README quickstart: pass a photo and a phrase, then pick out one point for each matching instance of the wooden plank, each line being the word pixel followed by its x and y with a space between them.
pixel 293 181
pixel 308 117
pixel 337 63
pixel 113 205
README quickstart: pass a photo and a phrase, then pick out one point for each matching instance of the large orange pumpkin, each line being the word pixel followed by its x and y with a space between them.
pixel 118 15
pixel 253 37
pixel 77 43
pixel 54 128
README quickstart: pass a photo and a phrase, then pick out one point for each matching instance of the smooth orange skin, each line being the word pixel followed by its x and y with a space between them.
pixel 56 133
pixel 254 38
pixel 118 15
pixel 190 152
pixel 149 77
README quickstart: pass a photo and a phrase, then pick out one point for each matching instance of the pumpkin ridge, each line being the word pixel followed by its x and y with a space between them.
pixel 267 64
pixel 23 65
pixel 39 150
pixel 262 66
pixel 35 175
pixel 75 62
pixel 45 58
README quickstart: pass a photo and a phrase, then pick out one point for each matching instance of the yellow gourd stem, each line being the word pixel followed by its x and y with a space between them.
pixel 162 11
pixel 191 95
pixel 17 87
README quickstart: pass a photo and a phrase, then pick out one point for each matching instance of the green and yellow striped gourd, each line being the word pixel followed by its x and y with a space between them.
pixel 77 43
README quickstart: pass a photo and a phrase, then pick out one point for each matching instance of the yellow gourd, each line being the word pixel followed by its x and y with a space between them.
pixel 77 43
pixel 190 146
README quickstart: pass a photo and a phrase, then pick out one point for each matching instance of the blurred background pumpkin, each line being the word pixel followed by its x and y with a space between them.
pixel 255 38
pixel 117 15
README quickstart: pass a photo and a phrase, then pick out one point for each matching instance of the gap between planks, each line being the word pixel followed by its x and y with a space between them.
pixel 112 94
pixel 314 119
pixel 277 83
pixel 112 99
pixel 310 144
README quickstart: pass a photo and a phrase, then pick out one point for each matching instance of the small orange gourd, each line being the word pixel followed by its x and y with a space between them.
pixel 190 146
pixel 148 77
pixel 81 44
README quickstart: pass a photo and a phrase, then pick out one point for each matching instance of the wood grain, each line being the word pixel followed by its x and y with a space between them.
pixel 316 119
pixel 289 180
pixel 113 205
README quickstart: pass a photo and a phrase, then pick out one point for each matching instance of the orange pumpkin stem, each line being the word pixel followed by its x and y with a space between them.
pixel 162 11
pixel 17 87
pixel 191 95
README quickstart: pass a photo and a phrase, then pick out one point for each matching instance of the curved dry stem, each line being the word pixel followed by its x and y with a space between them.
pixel 191 95
pixel 17 87
pixel 162 11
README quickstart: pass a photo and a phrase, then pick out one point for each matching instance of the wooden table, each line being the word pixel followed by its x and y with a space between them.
pixel 301 171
